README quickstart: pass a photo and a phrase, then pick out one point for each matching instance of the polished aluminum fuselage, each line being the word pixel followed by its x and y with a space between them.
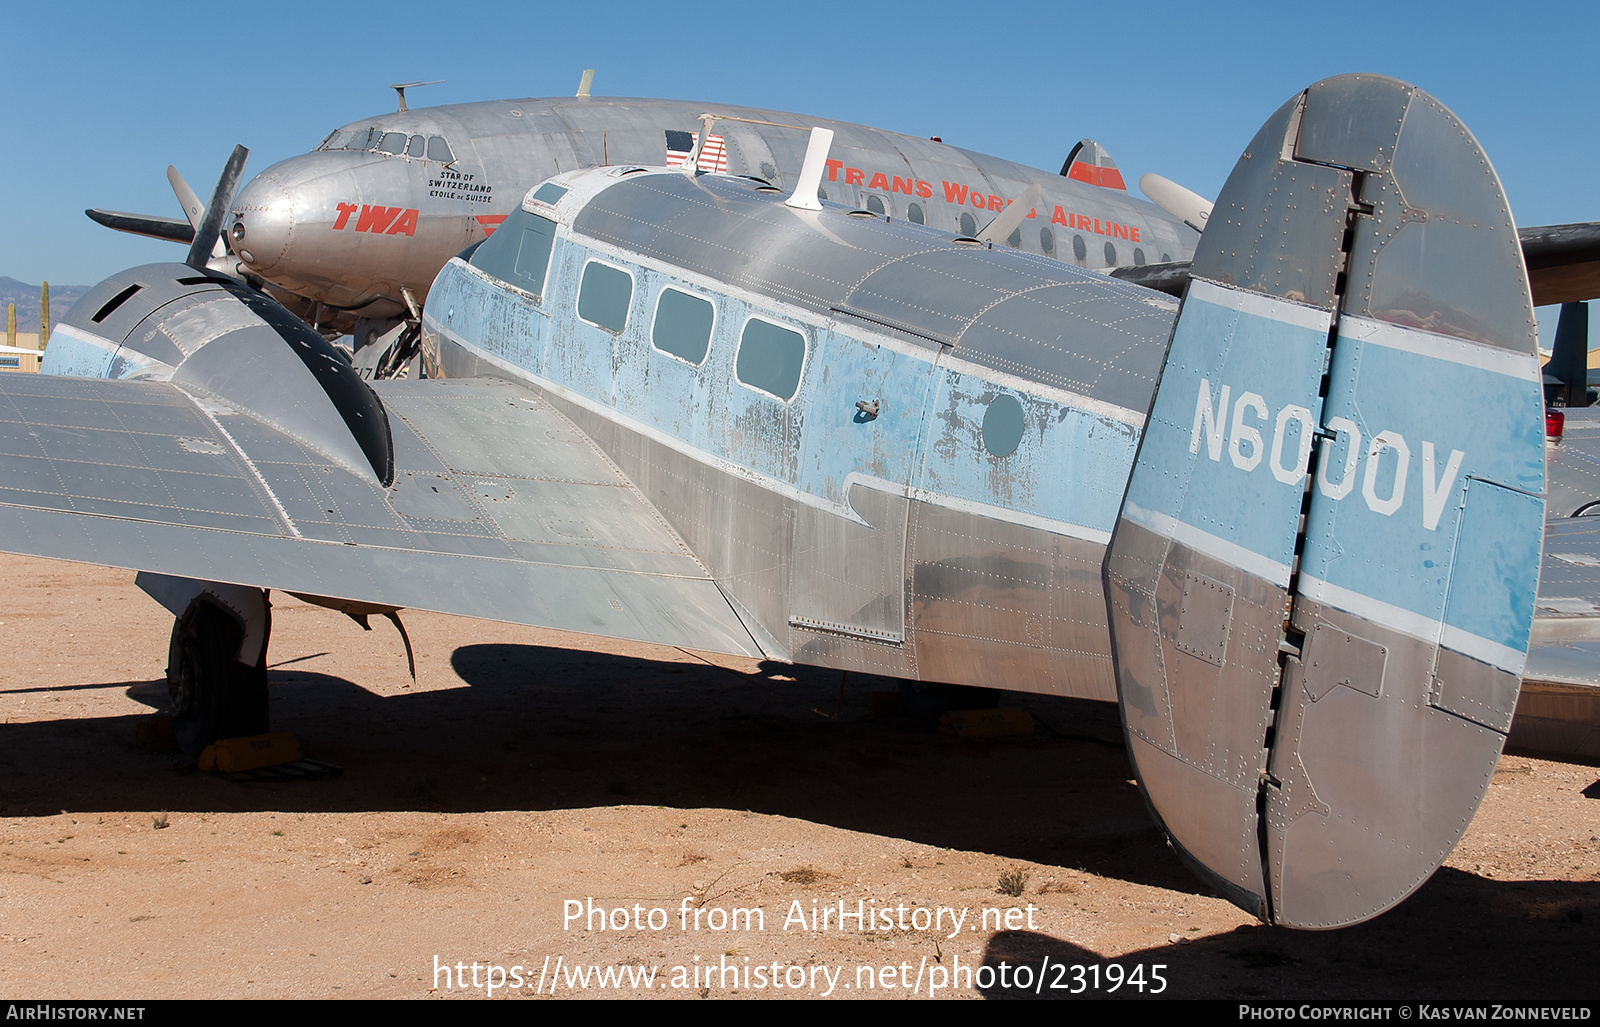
pixel 352 228
pixel 899 543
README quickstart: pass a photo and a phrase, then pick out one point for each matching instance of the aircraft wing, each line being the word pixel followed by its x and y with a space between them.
pixel 1563 261
pixel 500 507
pixel 1563 265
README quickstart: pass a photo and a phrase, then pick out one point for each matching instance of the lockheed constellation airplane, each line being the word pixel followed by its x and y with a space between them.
pixel 704 410
pixel 351 235
pixel 358 228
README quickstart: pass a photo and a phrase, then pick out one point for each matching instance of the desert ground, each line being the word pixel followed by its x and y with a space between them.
pixel 529 777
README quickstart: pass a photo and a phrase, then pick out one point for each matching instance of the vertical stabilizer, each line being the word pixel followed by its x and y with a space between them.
pixel 1321 584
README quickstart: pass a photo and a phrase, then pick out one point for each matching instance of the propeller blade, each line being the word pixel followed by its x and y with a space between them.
pixel 210 227
pixel 1010 219
pixel 193 209
pixel 170 229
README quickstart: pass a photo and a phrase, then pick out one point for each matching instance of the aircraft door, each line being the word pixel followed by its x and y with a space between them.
pixel 860 442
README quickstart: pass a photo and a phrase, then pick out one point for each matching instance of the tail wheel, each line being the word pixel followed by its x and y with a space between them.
pixel 212 694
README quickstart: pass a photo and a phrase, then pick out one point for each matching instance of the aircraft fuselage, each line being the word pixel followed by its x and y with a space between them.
pixel 351 224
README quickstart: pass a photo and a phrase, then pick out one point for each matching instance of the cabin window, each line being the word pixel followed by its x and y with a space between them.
pixel 1080 249
pixel 822 194
pixel 1002 426
pixel 770 358
pixel 1047 241
pixel 915 216
pixel 682 326
pixel 1138 256
pixel 1111 255
pixel 416 147
pixel 392 142
pixel 604 295
pixel 439 150
pixel 1166 258
pixel 969 225
pixel 550 193
pixel 1014 240
pixel 875 204
pixel 519 252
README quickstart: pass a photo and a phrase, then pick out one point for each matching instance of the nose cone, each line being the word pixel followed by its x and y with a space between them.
pixel 292 224
pixel 263 223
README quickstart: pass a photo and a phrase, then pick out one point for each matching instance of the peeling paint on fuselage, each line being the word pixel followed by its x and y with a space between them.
pixel 1066 477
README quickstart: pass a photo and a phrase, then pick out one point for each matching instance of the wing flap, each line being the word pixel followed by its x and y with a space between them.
pixel 500 509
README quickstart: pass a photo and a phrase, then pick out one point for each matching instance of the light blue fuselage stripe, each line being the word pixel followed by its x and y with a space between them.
pixel 1225 451
pixel 1069 469
pixel 1387 527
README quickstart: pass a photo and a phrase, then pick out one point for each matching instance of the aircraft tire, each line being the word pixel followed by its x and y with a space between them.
pixel 212 694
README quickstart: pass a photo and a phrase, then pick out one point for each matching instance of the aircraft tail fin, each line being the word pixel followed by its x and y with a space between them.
pixel 1321 583
pixel 1569 359
pixel 1089 162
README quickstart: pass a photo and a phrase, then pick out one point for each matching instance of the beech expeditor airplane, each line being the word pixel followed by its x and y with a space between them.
pixel 703 410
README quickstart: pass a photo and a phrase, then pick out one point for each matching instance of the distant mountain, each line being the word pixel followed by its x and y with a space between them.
pixel 26 297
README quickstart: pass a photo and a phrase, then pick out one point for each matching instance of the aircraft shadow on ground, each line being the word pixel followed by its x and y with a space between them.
pixel 1458 938
pixel 544 728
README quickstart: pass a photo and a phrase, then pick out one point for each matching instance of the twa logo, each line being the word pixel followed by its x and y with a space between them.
pixel 1387 455
pixel 378 220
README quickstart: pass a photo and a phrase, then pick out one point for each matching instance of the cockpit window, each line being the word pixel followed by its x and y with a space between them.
pixel 392 142
pixel 550 193
pixel 439 150
pixel 518 253
pixel 327 141
pixel 415 147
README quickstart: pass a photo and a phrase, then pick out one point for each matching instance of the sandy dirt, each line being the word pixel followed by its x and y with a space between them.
pixel 528 768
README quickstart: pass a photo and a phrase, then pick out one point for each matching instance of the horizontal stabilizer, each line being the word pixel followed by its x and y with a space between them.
pixel 168 229
pixel 1186 205
pixel 1558 711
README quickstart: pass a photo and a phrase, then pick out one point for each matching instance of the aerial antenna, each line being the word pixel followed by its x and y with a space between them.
pixel 805 191
pixel 585 82
pixel 403 86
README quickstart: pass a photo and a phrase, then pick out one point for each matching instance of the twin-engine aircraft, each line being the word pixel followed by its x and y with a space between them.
pixel 700 409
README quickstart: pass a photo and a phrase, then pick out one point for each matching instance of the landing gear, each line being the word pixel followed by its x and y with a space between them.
pixel 213 695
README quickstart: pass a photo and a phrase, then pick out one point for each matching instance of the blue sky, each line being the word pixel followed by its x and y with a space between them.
pixel 100 98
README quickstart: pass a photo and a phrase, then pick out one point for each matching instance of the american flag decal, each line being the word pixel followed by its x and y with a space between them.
pixel 680 144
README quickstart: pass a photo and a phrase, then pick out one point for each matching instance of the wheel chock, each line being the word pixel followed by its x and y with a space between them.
pixel 995 723
pixel 232 755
